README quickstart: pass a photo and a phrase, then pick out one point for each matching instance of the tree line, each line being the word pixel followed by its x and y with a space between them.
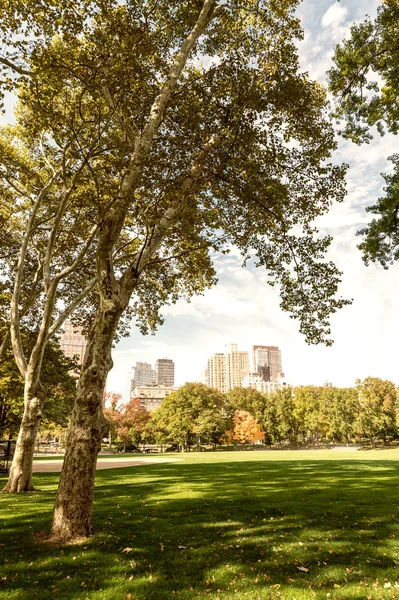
pixel 195 416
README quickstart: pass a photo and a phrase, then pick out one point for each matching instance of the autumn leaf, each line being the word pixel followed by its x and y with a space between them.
pixel 304 569
pixel 127 550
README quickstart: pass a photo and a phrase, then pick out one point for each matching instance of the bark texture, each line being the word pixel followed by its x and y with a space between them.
pixel 20 477
pixel 72 517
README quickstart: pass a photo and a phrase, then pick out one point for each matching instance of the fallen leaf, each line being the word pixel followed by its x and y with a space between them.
pixel 127 550
pixel 304 569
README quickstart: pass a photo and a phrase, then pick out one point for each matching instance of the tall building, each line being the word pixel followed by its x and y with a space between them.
pixel 226 371
pixel 72 341
pixel 237 367
pixel 144 374
pixel 165 369
pixel 215 372
pixel 141 374
pixel 269 356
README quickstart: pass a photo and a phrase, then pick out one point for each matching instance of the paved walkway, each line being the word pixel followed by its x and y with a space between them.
pixel 55 466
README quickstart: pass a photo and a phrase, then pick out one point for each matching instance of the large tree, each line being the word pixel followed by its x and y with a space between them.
pixel 193 413
pixel 54 229
pixel 211 137
pixel 129 423
pixel 376 414
pixel 365 83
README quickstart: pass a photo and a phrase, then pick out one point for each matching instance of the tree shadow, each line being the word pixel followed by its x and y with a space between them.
pixel 221 530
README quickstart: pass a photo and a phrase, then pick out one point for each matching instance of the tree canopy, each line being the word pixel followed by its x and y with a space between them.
pixel 194 411
pixel 246 132
pixel 365 83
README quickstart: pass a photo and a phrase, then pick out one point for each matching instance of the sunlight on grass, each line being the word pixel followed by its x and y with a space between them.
pixel 256 525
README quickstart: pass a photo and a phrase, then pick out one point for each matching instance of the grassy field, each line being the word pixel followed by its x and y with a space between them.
pixel 239 525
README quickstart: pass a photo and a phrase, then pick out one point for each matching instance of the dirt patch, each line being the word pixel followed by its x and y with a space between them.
pixel 55 466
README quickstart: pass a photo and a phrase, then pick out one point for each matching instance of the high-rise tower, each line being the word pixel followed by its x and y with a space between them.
pixel 226 371
pixel 165 368
pixel 268 356
pixel 237 367
pixel 216 372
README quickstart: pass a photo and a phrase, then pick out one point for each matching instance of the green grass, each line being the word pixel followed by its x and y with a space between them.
pixel 218 526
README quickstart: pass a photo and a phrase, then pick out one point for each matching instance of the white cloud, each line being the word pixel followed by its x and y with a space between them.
pixel 334 15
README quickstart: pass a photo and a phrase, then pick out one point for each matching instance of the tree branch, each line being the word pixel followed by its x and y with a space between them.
pixel 142 146
pixel 55 228
pixel 123 121
pixel 70 309
pixel 14 67
pixel 72 267
pixel 150 246
pixel 19 355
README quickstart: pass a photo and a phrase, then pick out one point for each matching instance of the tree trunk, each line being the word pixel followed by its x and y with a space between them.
pixel 72 517
pixel 20 478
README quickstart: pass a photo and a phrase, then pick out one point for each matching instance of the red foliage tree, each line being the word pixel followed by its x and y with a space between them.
pixel 128 422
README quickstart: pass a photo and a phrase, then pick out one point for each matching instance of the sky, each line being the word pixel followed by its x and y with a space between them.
pixel 244 310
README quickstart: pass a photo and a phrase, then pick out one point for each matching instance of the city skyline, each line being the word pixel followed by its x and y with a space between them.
pixel 144 375
pixel 231 369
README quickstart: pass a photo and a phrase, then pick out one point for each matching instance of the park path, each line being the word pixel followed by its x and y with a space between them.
pixel 55 466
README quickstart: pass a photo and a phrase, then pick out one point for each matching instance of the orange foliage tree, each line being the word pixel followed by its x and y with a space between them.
pixel 246 428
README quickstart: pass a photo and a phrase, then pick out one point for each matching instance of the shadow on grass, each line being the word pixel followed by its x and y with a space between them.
pixel 247 529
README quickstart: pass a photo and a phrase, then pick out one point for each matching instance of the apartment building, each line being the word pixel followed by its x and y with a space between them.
pixel 165 369
pixel 225 371
pixel 151 396
pixel 72 341
pixel 237 367
pixel 215 372
pixel 141 374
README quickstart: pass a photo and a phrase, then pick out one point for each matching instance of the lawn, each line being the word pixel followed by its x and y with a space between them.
pixel 239 525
